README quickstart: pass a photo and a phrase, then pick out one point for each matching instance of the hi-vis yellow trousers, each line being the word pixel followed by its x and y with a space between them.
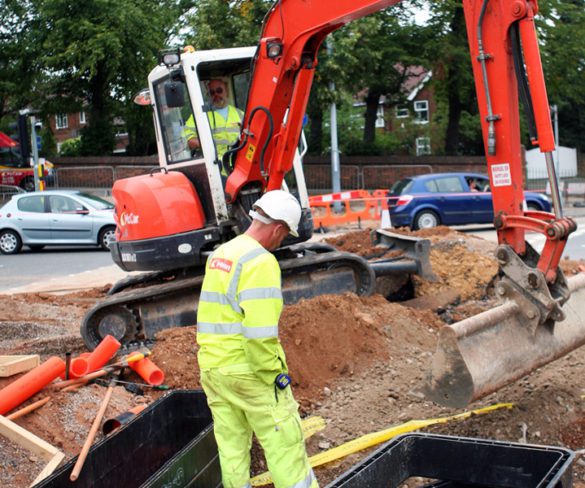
pixel 240 404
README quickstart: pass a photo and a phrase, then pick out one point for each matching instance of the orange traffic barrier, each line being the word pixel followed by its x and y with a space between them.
pixel 85 364
pixel 111 425
pixel 148 371
pixel 32 382
pixel 356 206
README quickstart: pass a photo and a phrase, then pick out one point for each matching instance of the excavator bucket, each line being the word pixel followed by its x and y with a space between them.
pixel 481 354
pixel 412 255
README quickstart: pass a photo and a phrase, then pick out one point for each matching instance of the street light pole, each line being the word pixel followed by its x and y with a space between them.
pixel 555 112
pixel 35 151
pixel 335 169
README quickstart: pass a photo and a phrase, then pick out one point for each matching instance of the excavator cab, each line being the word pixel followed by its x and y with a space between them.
pixel 173 217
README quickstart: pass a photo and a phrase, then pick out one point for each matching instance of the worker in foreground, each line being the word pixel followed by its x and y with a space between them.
pixel 243 367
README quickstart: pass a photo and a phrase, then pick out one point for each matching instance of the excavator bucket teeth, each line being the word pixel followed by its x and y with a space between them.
pixel 483 353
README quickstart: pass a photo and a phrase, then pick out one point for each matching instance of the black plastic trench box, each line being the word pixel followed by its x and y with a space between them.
pixel 170 444
pixel 458 462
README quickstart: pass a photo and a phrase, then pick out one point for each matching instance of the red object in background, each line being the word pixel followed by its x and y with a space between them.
pixel 6 141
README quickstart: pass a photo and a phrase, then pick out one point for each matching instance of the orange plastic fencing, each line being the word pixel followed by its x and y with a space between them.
pixel 356 206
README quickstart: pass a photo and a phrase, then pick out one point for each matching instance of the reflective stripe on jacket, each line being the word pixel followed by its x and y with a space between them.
pixel 239 308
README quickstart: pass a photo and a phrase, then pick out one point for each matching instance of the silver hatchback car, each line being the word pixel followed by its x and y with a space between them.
pixel 39 219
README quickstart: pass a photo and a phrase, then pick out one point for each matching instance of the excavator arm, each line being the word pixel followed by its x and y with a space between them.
pixel 539 319
pixel 506 59
pixel 283 71
pixel 482 354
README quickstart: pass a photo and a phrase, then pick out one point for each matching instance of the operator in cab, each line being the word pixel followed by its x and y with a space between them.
pixel 243 367
pixel 224 118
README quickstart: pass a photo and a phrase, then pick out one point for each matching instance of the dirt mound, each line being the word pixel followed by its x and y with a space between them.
pixel 469 273
pixel 360 243
pixel 325 338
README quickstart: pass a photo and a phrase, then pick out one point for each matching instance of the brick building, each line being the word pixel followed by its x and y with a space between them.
pixel 68 126
pixel 417 110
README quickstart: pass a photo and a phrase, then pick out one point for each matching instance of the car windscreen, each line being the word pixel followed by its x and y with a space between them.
pixel 401 186
pixel 95 202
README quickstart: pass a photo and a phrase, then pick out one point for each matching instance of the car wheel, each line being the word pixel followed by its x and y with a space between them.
pixel 36 247
pixel 426 219
pixel 106 237
pixel 28 184
pixel 10 242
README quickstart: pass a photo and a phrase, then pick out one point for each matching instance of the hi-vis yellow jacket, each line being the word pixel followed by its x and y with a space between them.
pixel 239 308
pixel 224 131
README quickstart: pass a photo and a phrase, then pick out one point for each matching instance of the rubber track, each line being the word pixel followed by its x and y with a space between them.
pixel 130 298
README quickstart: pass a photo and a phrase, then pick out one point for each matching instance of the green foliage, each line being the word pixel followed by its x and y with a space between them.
pixel 100 52
pixel 17 70
pixel 48 143
pixel 71 147
pixel 219 24
pixel 562 35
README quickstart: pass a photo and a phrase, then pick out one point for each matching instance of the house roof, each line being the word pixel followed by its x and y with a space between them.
pixel 416 78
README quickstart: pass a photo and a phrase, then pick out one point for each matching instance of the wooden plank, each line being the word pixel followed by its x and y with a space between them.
pixel 49 468
pixel 11 365
pixel 26 439
pixel 35 444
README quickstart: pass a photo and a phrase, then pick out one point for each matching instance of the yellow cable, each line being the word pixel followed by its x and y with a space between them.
pixel 312 425
pixel 375 438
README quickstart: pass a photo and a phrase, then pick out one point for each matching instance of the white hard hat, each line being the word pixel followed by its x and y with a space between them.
pixel 281 205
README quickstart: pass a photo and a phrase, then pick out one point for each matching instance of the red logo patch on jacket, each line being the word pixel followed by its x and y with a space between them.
pixel 221 264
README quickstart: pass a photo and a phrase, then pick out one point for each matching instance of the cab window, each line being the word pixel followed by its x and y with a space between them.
pixel 179 129
pixel 449 185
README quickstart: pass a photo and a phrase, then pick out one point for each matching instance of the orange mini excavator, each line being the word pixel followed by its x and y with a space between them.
pixel 171 220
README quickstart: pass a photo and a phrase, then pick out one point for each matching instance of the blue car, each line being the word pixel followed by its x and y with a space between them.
pixel 425 201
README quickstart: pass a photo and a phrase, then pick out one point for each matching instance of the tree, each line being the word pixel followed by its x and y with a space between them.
pixel 218 24
pixel 377 53
pixel 17 56
pixel 453 75
pixel 99 52
pixel 561 27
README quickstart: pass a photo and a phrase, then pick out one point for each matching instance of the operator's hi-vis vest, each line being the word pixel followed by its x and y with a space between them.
pixel 239 307
pixel 225 132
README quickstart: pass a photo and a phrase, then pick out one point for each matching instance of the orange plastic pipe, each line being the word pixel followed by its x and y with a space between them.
pixel 105 351
pixel 148 371
pixel 32 382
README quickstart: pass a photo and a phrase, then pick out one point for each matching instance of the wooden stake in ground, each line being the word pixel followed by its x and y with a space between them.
pixel 91 436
